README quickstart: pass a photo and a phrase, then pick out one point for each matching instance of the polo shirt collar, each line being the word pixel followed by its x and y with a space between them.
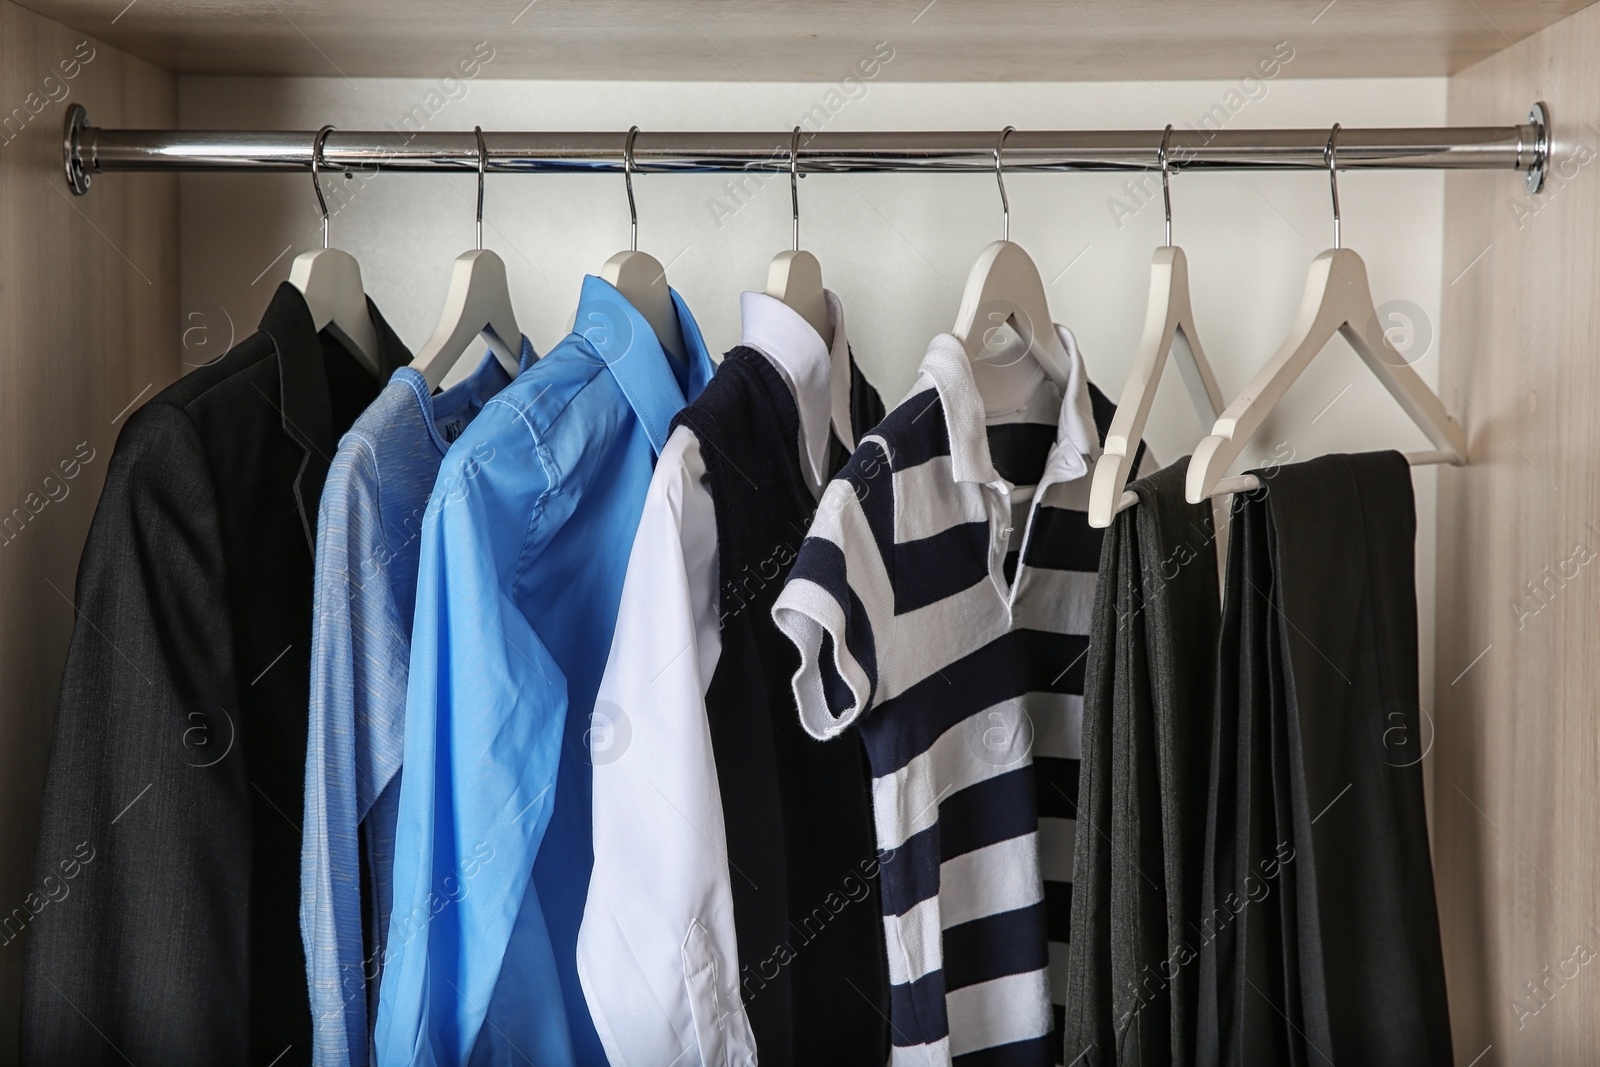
pixel 950 369
pixel 819 376
pixel 303 402
pixel 1077 437
pixel 840 382
pixel 626 344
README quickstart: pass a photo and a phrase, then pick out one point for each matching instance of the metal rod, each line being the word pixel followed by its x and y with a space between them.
pixel 90 150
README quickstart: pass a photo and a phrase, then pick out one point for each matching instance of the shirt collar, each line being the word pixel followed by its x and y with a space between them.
pixel 1077 437
pixel 840 382
pixel 487 379
pixel 949 368
pixel 813 372
pixel 621 338
pixel 303 402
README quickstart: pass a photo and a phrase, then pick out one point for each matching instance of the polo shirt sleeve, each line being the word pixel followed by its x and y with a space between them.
pixel 486 706
pixel 837 604
pixel 660 967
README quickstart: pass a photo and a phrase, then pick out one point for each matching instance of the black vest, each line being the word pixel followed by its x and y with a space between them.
pixel 801 845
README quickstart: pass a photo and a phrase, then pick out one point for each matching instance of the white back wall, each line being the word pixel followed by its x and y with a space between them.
pixel 895 247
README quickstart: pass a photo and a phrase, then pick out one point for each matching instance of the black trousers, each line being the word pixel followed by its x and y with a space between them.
pixel 1320 933
pixel 1149 691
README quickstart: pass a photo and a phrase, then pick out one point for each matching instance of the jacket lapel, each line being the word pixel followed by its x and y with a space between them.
pixel 303 397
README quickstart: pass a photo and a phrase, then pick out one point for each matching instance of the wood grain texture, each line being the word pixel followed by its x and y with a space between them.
pixel 812 40
pixel 1517 771
pixel 88 313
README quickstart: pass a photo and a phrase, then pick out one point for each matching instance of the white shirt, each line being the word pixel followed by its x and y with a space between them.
pixel 657 953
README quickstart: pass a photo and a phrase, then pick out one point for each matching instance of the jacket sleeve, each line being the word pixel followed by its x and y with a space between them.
pixel 138 922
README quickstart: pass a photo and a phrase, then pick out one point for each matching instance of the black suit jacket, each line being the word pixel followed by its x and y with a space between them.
pixel 169 846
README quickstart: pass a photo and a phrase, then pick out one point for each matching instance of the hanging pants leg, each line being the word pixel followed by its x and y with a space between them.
pixel 1318 874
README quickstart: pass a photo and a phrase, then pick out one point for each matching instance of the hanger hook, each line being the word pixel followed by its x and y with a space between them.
pixel 1330 154
pixel 1166 190
pixel 316 178
pixel 1000 178
pixel 794 183
pixel 627 176
pixel 483 163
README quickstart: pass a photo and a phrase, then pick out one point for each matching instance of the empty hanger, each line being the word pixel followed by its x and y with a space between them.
pixel 795 277
pixel 1004 288
pixel 1337 300
pixel 1167 314
pixel 330 281
pixel 640 277
pixel 478 303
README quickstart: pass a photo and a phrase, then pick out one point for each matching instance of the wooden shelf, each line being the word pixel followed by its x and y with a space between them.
pixel 812 40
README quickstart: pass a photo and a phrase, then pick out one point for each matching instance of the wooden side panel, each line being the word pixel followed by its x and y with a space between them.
pixel 88 318
pixel 1517 771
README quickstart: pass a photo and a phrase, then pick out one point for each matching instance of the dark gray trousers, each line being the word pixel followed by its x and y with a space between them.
pixel 1320 937
pixel 1132 973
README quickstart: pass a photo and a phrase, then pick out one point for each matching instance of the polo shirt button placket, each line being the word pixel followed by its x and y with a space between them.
pixel 997 501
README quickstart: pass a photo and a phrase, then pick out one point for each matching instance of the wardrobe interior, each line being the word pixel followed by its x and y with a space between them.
pixel 1488 290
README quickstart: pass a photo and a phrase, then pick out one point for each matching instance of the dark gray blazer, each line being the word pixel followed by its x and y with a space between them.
pixel 172 808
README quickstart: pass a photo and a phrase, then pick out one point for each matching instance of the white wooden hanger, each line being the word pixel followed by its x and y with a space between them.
pixel 640 277
pixel 1167 313
pixel 1004 288
pixel 1337 300
pixel 795 277
pixel 477 304
pixel 330 281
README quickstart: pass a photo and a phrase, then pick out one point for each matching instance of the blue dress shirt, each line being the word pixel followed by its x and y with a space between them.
pixel 369 536
pixel 524 547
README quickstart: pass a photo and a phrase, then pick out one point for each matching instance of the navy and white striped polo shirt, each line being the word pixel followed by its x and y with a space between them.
pixel 965 673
